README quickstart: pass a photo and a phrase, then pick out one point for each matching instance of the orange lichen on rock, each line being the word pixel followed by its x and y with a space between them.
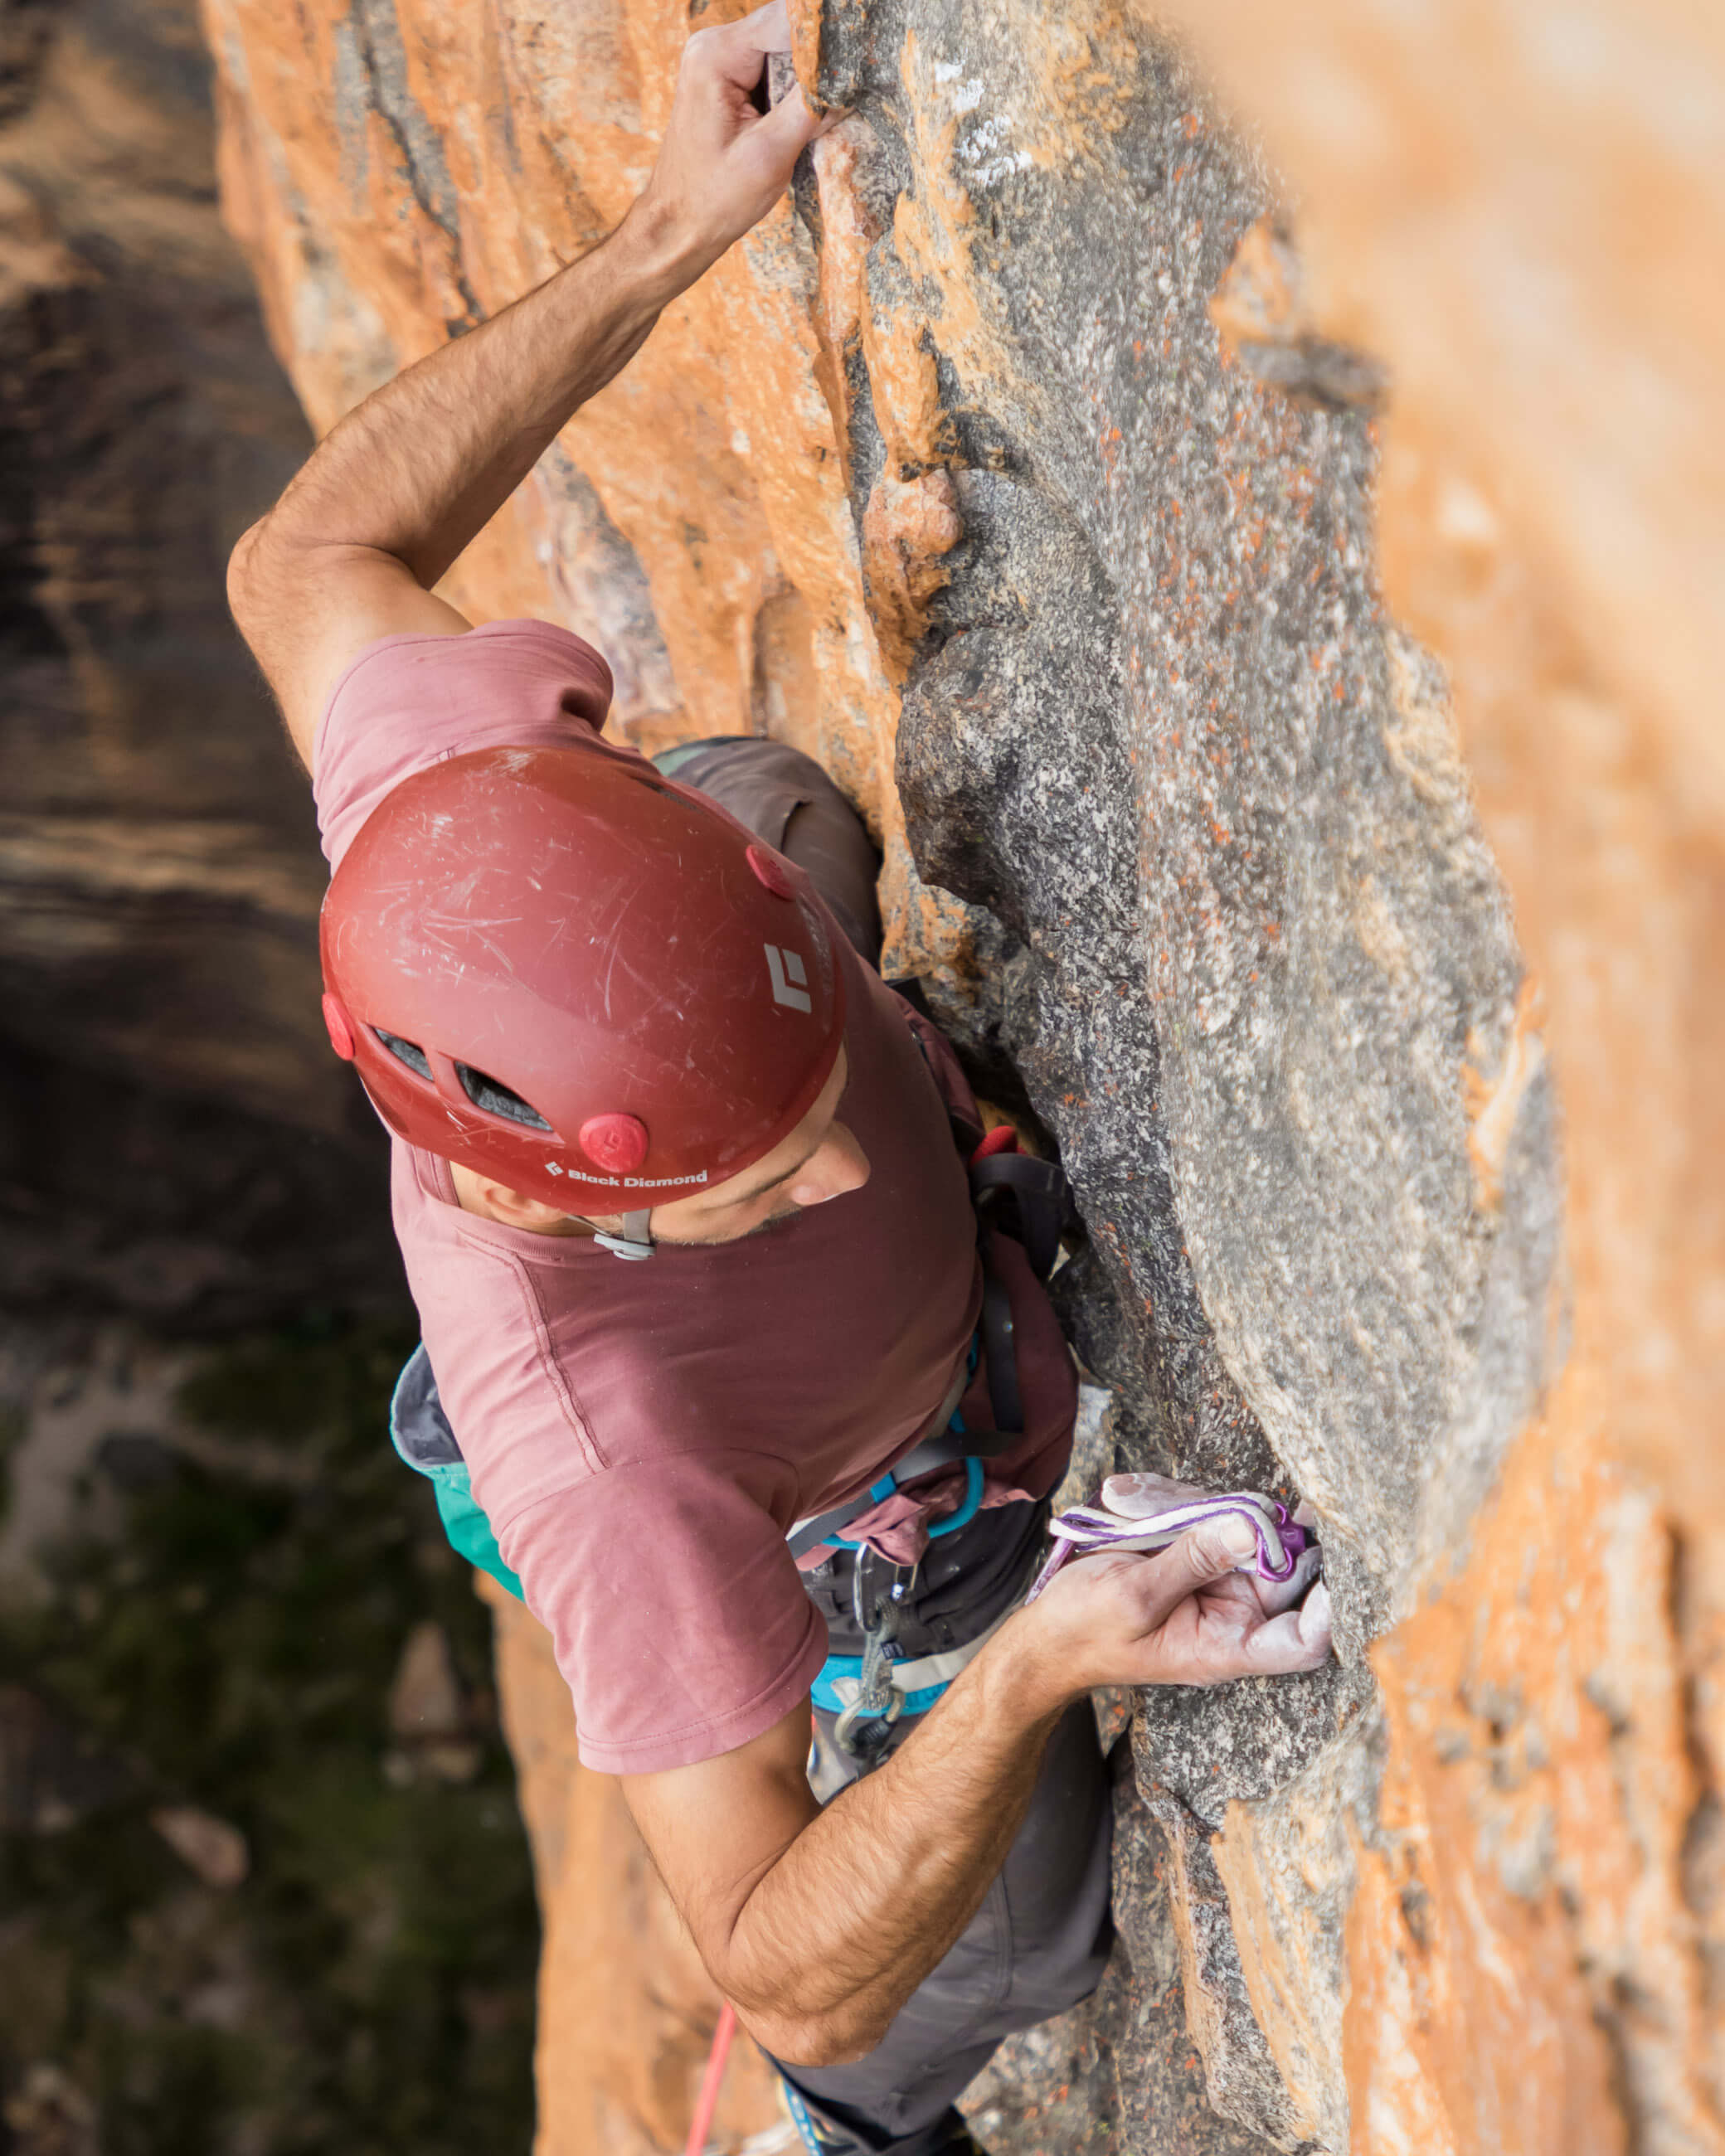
pixel 1260 297
pixel 1288 1867
pixel 905 385
pixel 1520 1906
pixel 1494 1098
pixel 907 525
pixel 626 2011
pixel 848 232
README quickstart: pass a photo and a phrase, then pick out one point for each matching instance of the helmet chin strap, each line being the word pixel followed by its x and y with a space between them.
pixel 636 1240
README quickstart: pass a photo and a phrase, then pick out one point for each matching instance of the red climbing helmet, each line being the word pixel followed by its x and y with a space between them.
pixel 562 970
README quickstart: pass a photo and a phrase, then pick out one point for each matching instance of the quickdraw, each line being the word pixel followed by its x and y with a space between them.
pixel 864 1727
pixel 1086 1528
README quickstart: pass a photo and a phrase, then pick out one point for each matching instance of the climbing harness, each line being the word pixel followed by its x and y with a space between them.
pixel 1086 1528
pixel 918 1682
pixel 1012 1193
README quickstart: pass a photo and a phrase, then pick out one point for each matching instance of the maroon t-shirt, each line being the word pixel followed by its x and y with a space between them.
pixel 642 1437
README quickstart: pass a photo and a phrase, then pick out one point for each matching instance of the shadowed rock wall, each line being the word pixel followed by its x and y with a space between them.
pixel 1017 469
pixel 172 1139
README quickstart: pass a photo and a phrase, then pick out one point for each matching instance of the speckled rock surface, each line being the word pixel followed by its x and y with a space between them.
pixel 1018 467
pixel 1269 1003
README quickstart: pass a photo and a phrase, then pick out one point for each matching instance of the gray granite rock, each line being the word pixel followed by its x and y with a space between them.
pixel 1239 938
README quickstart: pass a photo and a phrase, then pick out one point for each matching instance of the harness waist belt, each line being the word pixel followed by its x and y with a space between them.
pixel 940 1446
pixel 922 1680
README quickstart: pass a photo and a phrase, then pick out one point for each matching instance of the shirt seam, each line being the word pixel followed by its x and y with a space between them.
pixel 551 1370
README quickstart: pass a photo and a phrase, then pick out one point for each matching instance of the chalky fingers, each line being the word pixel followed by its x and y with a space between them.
pixel 1297 1639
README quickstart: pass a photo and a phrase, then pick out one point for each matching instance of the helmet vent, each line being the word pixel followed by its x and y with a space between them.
pixel 405 1051
pixel 497 1100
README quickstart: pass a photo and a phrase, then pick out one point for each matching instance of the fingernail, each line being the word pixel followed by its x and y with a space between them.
pixel 1240 1538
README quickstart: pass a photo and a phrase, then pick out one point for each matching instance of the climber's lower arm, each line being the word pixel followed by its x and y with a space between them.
pixel 396 490
pixel 818 1925
pixel 425 462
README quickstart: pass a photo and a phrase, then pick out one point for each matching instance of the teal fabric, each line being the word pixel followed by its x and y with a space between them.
pixel 468 1530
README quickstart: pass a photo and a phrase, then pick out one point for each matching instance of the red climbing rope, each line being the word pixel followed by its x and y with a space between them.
pixel 707 2102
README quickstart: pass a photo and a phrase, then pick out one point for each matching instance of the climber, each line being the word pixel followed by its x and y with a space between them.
pixel 684 1194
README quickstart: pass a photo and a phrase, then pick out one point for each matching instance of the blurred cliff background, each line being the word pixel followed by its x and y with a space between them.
pixel 263 1883
pixel 1236 504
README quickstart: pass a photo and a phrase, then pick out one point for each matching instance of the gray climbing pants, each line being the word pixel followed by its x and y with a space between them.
pixel 1040 1940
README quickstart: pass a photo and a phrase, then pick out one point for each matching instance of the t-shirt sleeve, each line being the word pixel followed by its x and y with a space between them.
pixel 677 1614
pixel 408 702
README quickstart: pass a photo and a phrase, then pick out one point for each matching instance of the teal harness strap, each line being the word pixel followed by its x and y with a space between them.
pixel 971 1504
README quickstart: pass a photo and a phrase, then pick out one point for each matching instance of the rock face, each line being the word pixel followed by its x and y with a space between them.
pixel 1017 468
pixel 172 1138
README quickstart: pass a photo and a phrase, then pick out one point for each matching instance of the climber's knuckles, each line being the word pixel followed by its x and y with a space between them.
pixel 1203 1556
pixel 1139 1497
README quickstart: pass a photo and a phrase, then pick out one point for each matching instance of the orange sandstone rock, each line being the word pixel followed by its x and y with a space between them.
pixel 1466 1897
pixel 626 2012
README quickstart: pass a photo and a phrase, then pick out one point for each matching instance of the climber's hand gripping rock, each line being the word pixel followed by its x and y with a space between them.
pixel 818 1924
pixel 1183 1615
pixel 723 163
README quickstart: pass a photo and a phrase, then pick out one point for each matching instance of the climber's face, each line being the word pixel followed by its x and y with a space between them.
pixel 820 1160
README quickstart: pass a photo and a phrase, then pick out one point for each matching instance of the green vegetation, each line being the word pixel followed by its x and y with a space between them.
pixel 368 1988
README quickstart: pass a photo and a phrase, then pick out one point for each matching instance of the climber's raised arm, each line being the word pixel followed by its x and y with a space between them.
pixel 395 491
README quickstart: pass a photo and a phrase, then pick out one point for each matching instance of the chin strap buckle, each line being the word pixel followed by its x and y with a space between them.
pixel 636 1240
